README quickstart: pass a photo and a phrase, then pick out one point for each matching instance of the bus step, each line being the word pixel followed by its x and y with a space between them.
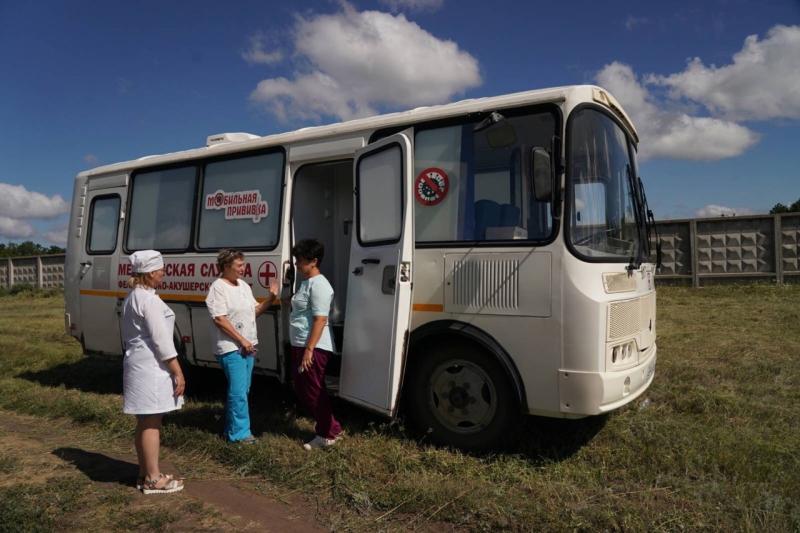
pixel 332 385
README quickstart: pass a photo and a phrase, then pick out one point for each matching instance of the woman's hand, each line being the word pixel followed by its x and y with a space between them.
pixel 179 383
pixel 248 347
pixel 308 358
pixel 274 289
pixel 273 295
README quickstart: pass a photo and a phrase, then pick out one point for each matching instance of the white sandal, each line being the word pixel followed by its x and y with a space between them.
pixel 140 481
pixel 172 485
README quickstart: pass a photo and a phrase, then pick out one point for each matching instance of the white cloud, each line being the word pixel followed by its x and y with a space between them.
pixel 351 63
pixel 11 228
pixel 57 236
pixel 762 82
pixel 256 54
pixel 413 5
pixel 90 159
pixel 19 203
pixel 713 210
pixel 672 133
pixel 631 22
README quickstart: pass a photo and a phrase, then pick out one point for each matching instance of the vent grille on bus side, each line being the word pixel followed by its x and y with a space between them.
pixel 624 319
pixel 487 284
pixel 513 284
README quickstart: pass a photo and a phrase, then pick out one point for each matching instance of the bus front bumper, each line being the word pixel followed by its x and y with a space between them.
pixel 593 393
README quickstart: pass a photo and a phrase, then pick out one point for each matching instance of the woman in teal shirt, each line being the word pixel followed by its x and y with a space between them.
pixel 312 342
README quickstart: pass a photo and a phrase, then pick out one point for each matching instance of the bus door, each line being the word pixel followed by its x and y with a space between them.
pixel 100 295
pixel 379 284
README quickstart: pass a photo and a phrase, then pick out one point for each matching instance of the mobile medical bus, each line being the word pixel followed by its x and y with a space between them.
pixel 489 257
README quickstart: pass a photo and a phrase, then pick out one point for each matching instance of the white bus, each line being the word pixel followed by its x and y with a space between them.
pixel 490 257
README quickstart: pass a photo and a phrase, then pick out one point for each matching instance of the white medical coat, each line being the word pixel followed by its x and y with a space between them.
pixel 147 325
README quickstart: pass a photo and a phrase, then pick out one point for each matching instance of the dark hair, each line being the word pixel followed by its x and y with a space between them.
pixel 226 258
pixel 309 249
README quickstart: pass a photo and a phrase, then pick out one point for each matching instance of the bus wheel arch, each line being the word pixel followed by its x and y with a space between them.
pixel 461 388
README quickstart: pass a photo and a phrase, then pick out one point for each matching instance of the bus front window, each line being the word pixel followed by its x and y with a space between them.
pixel 604 219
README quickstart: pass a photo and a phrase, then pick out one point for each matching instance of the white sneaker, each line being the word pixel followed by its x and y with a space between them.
pixel 318 442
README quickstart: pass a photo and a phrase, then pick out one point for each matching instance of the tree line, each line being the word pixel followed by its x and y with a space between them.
pixel 13 249
pixel 780 208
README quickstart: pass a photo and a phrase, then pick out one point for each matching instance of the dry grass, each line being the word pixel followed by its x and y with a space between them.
pixel 46 485
pixel 713 445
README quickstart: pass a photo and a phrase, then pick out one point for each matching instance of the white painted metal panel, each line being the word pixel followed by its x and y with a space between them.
pixel 510 283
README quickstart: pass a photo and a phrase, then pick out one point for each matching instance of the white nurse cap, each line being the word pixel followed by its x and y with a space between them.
pixel 145 261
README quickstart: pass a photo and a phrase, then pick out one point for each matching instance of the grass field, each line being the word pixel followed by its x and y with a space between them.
pixel 714 444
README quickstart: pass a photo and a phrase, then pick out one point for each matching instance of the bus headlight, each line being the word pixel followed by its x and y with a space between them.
pixel 623 355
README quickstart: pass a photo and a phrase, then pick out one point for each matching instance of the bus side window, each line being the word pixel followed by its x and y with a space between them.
pixel 241 202
pixel 482 193
pixel 103 225
pixel 162 202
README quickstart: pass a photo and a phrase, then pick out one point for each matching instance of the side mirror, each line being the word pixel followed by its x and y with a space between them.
pixel 542 174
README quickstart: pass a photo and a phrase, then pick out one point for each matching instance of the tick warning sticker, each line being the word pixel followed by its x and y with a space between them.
pixel 431 186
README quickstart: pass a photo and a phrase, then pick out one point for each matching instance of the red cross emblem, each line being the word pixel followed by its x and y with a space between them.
pixel 266 272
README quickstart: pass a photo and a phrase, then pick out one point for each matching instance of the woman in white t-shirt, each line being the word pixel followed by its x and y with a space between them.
pixel 234 310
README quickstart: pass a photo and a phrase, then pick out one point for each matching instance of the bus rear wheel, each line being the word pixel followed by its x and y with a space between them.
pixel 459 395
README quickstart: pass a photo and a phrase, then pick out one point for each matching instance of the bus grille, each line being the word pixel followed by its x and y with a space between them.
pixel 624 318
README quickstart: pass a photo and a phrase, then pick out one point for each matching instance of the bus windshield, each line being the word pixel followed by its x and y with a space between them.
pixel 605 219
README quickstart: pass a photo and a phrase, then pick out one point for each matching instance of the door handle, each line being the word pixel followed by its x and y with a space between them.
pixel 85 266
pixel 288 274
pixel 371 261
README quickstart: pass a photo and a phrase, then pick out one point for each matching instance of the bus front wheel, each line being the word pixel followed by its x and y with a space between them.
pixel 459 395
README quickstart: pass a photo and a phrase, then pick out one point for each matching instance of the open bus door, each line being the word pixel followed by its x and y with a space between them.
pixel 379 285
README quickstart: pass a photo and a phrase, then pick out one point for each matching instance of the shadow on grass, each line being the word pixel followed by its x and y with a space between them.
pixel 274 410
pixel 99 467
pixel 544 440
pixel 101 375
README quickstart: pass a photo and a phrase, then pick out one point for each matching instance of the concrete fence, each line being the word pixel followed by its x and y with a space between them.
pixel 695 251
pixel 42 271
pixel 714 250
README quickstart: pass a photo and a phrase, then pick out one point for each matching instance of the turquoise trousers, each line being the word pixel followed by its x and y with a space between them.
pixel 238 369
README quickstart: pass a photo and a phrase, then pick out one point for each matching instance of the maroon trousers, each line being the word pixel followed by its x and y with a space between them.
pixel 309 386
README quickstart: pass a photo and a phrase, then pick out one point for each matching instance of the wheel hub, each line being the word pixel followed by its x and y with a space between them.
pixel 462 396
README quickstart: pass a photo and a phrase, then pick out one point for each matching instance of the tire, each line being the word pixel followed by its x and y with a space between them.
pixel 459 395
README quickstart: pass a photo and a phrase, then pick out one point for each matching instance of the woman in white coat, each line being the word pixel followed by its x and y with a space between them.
pixel 153 382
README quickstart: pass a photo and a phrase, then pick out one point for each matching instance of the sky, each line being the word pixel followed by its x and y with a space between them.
pixel 713 87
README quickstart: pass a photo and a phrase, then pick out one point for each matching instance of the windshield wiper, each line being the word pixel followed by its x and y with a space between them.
pixel 650 221
pixel 641 219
